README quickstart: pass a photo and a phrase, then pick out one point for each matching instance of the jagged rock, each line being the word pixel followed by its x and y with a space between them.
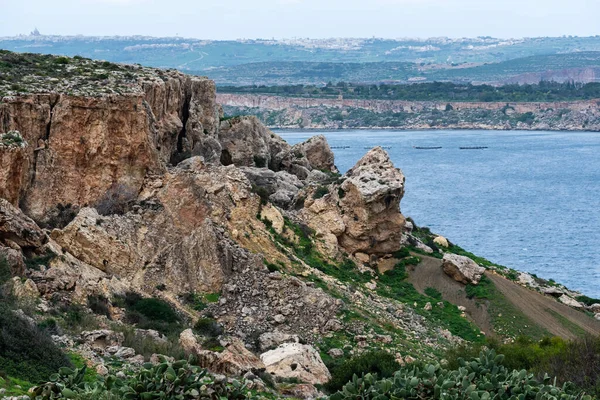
pixel 24 289
pixel 174 238
pixel 553 291
pixel 303 391
pixel 317 152
pixel 336 353
pixel 235 359
pixel 571 302
pixel 363 213
pixel 462 269
pixel 428 307
pixel 597 316
pixel 269 340
pixel 14 259
pixel 19 228
pixel 101 340
pixel 295 360
pixel 595 308
pixel 120 138
pixel 244 142
pixel 441 241
pixel 282 187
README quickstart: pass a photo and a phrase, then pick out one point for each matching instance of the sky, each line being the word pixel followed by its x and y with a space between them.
pixel 251 19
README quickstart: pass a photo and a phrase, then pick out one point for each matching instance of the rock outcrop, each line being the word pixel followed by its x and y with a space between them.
pixel 78 147
pixel 174 236
pixel 462 269
pixel 362 214
pixel 295 360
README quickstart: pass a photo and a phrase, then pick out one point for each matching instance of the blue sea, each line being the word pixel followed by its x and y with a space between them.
pixel 530 201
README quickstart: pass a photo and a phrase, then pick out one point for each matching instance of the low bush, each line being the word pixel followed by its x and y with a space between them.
pixel 379 362
pixel 320 192
pixel 150 313
pixel 208 327
pixel 5 273
pixel 482 378
pixel 26 351
pixel 99 305
pixel 177 380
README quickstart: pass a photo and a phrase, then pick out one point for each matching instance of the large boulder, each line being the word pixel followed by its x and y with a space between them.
pixel 244 142
pixel 317 153
pixel 235 359
pixel 362 214
pixel 281 187
pixel 571 302
pixel 295 360
pixel 462 269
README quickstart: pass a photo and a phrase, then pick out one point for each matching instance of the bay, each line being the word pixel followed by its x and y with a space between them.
pixel 529 201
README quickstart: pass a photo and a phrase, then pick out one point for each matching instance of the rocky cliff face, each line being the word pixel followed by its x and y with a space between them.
pixel 78 147
pixel 289 112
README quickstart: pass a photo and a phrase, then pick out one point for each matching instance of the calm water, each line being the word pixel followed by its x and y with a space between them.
pixel 531 201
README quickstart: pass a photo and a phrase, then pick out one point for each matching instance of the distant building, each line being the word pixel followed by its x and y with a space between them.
pixel 35 32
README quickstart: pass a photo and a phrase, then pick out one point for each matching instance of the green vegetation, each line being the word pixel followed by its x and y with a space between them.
pixel 11 138
pixel 576 361
pixel 507 320
pixel 199 301
pixel 5 273
pixel 149 313
pixel 177 380
pixel 379 362
pixel 482 378
pixel 26 351
pixel 208 327
pixel 435 91
pixel 320 192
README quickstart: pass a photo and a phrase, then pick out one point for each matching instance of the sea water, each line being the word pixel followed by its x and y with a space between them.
pixel 529 201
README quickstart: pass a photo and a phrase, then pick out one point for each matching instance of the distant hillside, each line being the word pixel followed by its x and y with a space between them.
pixel 306 61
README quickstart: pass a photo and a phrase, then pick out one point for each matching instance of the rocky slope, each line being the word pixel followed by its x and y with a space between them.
pixel 311 113
pixel 111 200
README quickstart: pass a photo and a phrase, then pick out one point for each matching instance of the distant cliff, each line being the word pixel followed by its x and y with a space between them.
pixel 311 113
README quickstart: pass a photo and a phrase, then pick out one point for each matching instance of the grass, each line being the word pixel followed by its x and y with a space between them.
pixel 507 320
pixel 565 322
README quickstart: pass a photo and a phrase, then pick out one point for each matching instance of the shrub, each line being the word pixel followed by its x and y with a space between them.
pixel 146 345
pixel 321 191
pixel 117 200
pixel 177 380
pixel 99 305
pixel 5 273
pixel 481 378
pixel 262 193
pixel 26 351
pixel 379 362
pixel 260 162
pixel 208 327
pixel 150 313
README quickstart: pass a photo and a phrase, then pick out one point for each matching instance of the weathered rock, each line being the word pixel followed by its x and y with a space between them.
pixel 111 139
pixel 18 228
pixel 295 360
pixel 317 152
pixel 235 359
pixel 336 353
pixel 281 186
pixel 303 391
pixel 595 308
pixel 441 241
pixel 363 213
pixel 174 238
pixel 571 302
pixel 14 259
pixel 244 142
pixel 553 291
pixel 101 340
pixel 24 289
pixel 462 269
pixel 269 340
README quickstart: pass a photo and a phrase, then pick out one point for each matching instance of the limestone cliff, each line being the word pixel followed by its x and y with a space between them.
pixel 79 146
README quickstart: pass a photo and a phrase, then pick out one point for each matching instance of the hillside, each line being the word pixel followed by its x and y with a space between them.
pixel 312 61
pixel 140 226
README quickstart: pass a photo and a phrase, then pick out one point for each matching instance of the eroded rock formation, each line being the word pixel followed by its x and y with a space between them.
pixel 362 214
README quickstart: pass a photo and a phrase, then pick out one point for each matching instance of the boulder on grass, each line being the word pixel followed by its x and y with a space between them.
pixel 462 269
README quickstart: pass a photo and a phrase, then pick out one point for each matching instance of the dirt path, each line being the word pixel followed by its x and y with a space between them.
pixel 540 309
pixel 429 274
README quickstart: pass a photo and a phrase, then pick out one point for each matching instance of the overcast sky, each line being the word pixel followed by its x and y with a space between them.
pixel 231 19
